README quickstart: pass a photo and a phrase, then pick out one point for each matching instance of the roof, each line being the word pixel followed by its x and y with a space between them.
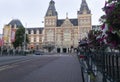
pixel 73 21
pixel 35 29
pixel 84 6
pixel 15 22
pixel 51 11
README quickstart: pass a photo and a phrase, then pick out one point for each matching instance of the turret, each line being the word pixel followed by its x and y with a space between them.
pixel 51 15
pixel 84 14
pixel 84 8
pixel 84 19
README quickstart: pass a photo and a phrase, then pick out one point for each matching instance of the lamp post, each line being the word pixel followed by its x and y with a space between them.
pixel 24 41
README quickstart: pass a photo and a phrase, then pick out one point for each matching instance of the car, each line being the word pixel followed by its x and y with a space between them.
pixel 38 53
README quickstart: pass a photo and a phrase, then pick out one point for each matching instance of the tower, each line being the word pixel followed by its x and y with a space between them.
pixel 50 24
pixel 51 15
pixel 84 19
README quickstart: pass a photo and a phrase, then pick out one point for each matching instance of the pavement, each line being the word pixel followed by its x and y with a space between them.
pixel 64 69
pixel 56 68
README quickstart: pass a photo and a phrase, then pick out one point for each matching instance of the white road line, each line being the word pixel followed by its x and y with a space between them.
pixel 5 67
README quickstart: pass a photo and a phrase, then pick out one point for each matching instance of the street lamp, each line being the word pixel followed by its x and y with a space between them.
pixel 24 40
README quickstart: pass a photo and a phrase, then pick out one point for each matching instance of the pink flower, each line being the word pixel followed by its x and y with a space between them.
pixel 111 29
pixel 106 3
pixel 103 26
pixel 112 6
pixel 114 44
pixel 109 9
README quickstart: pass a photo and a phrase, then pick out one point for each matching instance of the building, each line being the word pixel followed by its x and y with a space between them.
pixel 65 34
pixel 15 23
pixel 35 36
pixel 60 35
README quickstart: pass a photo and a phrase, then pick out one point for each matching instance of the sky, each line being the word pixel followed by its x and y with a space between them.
pixel 31 12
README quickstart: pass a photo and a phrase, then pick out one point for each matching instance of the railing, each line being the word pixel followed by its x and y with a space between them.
pixel 108 63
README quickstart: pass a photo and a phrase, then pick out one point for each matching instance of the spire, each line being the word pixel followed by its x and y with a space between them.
pixel 84 8
pixel 51 9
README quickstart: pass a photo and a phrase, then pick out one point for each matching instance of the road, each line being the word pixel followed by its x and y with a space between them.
pixel 54 68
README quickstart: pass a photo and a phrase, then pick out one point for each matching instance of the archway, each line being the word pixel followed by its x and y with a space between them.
pixel 64 50
pixel 58 50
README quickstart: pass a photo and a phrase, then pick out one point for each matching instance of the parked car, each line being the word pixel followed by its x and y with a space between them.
pixel 38 53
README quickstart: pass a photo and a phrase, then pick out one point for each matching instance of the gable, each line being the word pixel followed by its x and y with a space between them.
pixel 73 21
pixel 67 22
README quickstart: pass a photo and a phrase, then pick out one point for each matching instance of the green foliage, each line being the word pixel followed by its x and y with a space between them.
pixel 19 37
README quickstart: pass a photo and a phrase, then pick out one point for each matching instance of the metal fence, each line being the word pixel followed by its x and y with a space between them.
pixel 108 63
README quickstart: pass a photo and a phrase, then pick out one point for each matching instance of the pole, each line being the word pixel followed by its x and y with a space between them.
pixel 24 41
pixel 1 50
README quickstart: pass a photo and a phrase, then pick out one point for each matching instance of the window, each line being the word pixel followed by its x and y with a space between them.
pixel 37 31
pixel 26 31
pixel 50 35
pixel 37 39
pixel 46 21
pixel 50 13
pixel 59 37
pixel 32 32
pixel 32 39
pixel 67 35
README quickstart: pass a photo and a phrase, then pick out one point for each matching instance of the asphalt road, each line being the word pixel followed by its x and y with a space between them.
pixel 55 68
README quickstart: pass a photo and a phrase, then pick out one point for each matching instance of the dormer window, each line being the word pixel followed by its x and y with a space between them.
pixel 26 31
pixel 37 32
pixel 50 13
pixel 84 11
pixel 32 32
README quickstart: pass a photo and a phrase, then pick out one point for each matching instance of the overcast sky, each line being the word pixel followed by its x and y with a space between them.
pixel 32 12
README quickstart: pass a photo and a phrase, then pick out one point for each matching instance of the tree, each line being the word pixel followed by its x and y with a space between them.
pixel 19 37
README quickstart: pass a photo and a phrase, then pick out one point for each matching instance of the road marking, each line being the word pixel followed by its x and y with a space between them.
pixel 5 67
pixel 56 55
